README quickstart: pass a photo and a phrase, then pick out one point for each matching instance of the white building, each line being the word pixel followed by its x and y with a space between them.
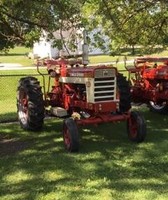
pixel 44 48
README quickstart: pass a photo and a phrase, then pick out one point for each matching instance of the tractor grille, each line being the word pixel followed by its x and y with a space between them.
pixel 104 85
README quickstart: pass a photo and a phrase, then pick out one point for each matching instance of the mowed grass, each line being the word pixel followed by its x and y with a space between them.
pixel 17 55
pixel 108 166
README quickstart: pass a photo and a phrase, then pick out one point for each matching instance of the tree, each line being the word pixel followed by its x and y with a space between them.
pixel 125 22
pixel 21 21
pixel 130 22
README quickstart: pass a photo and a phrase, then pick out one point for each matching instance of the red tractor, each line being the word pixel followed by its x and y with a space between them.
pixel 81 95
pixel 149 82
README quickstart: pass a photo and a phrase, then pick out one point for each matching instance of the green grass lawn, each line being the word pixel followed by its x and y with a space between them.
pixel 108 166
pixel 17 55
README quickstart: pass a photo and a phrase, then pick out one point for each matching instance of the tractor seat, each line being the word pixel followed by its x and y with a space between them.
pixel 132 69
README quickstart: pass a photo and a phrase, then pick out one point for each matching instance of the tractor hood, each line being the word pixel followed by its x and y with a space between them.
pixel 89 72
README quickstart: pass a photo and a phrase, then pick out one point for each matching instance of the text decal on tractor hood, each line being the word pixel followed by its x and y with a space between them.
pixel 76 74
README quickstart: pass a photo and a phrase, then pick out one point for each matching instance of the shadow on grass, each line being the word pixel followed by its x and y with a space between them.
pixel 8 117
pixel 108 165
pixel 13 54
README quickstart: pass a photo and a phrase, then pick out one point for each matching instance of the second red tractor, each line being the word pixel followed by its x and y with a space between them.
pixel 149 82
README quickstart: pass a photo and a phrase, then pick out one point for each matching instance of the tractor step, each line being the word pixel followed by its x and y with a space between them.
pixel 58 111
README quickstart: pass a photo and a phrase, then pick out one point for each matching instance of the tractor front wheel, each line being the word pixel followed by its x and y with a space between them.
pixel 70 135
pixel 136 127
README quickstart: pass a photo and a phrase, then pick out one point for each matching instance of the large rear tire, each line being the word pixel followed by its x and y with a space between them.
pixel 124 93
pixel 136 127
pixel 30 104
pixel 70 135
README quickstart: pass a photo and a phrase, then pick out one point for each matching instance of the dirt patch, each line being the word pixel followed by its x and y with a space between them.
pixel 10 146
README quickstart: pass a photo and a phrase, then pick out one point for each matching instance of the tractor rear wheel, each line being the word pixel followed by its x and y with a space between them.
pixel 30 105
pixel 136 127
pixel 70 135
pixel 158 108
pixel 124 93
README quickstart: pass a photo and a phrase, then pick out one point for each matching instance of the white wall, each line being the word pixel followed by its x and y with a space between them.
pixel 44 48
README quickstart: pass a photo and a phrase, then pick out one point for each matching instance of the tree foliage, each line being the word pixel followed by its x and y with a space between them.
pixel 22 21
pixel 131 22
pixel 125 22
